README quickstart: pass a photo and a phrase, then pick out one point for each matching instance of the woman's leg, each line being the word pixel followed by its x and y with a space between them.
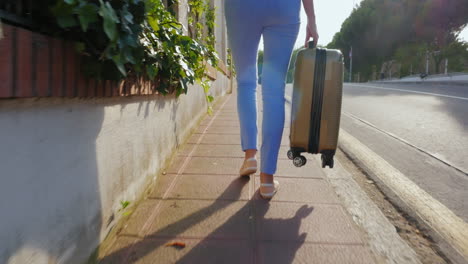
pixel 279 42
pixel 244 32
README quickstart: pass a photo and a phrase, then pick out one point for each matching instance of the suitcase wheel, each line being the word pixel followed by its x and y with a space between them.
pixel 327 161
pixel 290 155
pixel 299 161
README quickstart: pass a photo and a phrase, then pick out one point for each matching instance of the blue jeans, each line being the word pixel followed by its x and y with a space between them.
pixel 278 22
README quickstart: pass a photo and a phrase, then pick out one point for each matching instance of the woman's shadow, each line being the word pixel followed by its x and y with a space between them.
pixel 217 247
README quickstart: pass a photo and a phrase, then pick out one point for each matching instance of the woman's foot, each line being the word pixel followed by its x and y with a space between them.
pixel 249 167
pixel 268 186
pixel 250 163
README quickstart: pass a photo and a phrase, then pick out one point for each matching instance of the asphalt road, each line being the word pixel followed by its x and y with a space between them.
pixel 422 130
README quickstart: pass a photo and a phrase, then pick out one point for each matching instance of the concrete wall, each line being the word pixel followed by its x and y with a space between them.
pixel 66 164
pixel 221 32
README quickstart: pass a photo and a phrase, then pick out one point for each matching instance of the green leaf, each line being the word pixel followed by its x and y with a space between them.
pixel 126 19
pixel 210 98
pixel 206 86
pixel 66 21
pixel 87 14
pixel 124 204
pixel 128 56
pixel 80 47
pixel 70 2
pixel 127 213
pixel 153 23
pixel 152 71
pixel 110 20
pixel 119 63
pixel 126 15
pixel 183 83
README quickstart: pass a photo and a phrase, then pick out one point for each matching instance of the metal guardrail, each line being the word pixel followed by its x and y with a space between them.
pixel 460 77
pixel 450 74
pixel 17 12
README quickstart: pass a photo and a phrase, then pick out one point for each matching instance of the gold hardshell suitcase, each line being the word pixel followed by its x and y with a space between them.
pixel 316 104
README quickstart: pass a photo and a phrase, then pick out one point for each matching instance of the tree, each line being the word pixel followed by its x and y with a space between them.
pixel 404 30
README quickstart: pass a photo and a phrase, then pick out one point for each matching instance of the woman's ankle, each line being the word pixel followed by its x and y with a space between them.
pixel 266 178
pixel 250 153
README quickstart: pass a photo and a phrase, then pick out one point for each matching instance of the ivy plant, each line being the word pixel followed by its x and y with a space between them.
pixel 137 38
pixel 202 28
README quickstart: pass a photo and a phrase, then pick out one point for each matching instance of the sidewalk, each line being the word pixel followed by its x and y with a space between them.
pixel 220 217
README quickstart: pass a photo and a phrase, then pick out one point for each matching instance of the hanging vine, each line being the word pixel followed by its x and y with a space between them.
pixel 124 38
pixel 202 28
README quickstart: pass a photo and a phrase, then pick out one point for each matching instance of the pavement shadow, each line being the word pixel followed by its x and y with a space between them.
pixel 204 253
pixel 125 255
pixel 216 246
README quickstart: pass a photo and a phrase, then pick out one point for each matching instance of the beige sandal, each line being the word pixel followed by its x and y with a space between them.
pixel 274 185
pixel 249 167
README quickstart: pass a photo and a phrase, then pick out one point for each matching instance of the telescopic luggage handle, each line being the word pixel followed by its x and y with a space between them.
pixel 311 44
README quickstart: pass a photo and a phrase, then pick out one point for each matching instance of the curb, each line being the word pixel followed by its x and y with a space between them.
pixel 456 83
pixel 448 230
pixel 382 236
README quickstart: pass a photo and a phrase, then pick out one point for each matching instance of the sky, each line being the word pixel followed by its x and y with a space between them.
pixel 330 14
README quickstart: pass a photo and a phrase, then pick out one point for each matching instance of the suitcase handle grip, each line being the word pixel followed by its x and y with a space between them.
pixel 311 44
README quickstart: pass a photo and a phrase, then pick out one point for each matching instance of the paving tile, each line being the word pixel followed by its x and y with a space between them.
pixel 226 117
pixel 222 166
pixel 216 159
pixel 176 164
pixel 304 222
pixel 229 123
pixel 220 139
pixel 118 252
pixel 302 190
pixel 278 253
pixel 205 122
pixel 213 187
pixel 200 129
pixel 150 251
pixel 201 218
pixel 193 139
pixel 208 208
pixel 286 168
pixel 227 114
pixel 212 150
pixel 186 148
pixel 219 130
pixel 139 217
pixel 162 185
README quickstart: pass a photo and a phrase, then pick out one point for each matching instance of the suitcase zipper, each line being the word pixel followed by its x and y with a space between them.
pixel 317 100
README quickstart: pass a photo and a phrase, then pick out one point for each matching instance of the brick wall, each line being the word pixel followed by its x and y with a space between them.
pixel 35 65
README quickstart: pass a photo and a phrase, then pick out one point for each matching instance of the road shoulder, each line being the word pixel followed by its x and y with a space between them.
pixel 382 237
pixel 448 230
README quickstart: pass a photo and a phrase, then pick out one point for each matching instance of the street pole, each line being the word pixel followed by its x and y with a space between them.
pixel 427 62
pixel 351 65
pixel 446 66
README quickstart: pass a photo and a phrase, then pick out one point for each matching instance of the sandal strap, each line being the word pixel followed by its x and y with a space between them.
pixel 251 159
pixel 268 194
pixel 267 184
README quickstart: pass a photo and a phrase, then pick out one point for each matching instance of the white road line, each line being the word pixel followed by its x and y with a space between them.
pixel 446 162
pixel 409 91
